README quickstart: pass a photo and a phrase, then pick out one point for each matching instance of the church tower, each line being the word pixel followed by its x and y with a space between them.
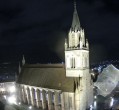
pixel 77 64
pixel 76 49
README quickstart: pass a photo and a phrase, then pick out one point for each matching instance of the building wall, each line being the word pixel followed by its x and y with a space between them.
pixel 68 102
pixel 84 91
pixel 45 98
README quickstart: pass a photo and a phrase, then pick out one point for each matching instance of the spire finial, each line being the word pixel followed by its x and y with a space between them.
pixel 23 60
pixel 75 22
pixel 19 68
pixel 75 5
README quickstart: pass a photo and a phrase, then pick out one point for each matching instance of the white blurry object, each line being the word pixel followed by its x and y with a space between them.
pixel 11 99
pixel 30 107
pixel 107 80
pixel 12 89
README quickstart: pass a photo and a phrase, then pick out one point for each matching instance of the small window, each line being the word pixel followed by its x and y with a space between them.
pixel 71 62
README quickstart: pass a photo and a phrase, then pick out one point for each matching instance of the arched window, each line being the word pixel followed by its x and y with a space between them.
pixel 72 62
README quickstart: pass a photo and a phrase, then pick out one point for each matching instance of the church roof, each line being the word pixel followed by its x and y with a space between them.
pixel 75 22
pixel 50 76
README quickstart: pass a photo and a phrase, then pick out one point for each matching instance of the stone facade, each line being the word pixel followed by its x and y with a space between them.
pixel 76 93
pixel 44 98
pixel 77 64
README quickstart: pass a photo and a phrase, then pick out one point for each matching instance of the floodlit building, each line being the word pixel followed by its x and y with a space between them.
pixel 60 86
pixel 7 87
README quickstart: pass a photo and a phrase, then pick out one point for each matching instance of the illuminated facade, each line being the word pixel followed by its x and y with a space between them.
pixel 77 63
pixel 59 86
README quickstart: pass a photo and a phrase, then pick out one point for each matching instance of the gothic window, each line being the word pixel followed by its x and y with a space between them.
pixel 71 62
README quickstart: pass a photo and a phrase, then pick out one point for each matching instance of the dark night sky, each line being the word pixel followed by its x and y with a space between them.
pixel 37 29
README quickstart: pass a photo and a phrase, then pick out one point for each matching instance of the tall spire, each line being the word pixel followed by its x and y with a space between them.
pixel 75 6
pixel 19 68
pixel 75 22
pixel 23 60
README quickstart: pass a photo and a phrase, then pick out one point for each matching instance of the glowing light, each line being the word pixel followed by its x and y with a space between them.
pixel 93 74
pixel 112 102
pixel 95 104
pixel 2 89
pixel 95 97
pixel 12 89
pixel 4 96
pixel 91 107
pixel 30 107
pixel 11 99
pixel 19 103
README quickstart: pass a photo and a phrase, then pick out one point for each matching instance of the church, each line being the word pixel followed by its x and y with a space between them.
pixel 60 86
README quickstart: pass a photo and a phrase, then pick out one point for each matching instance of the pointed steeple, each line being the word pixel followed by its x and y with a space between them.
pixel 75 22
pixel 65 44
pixel 19 68
pixel 87 44
pixel 16 77
pixel 23 60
